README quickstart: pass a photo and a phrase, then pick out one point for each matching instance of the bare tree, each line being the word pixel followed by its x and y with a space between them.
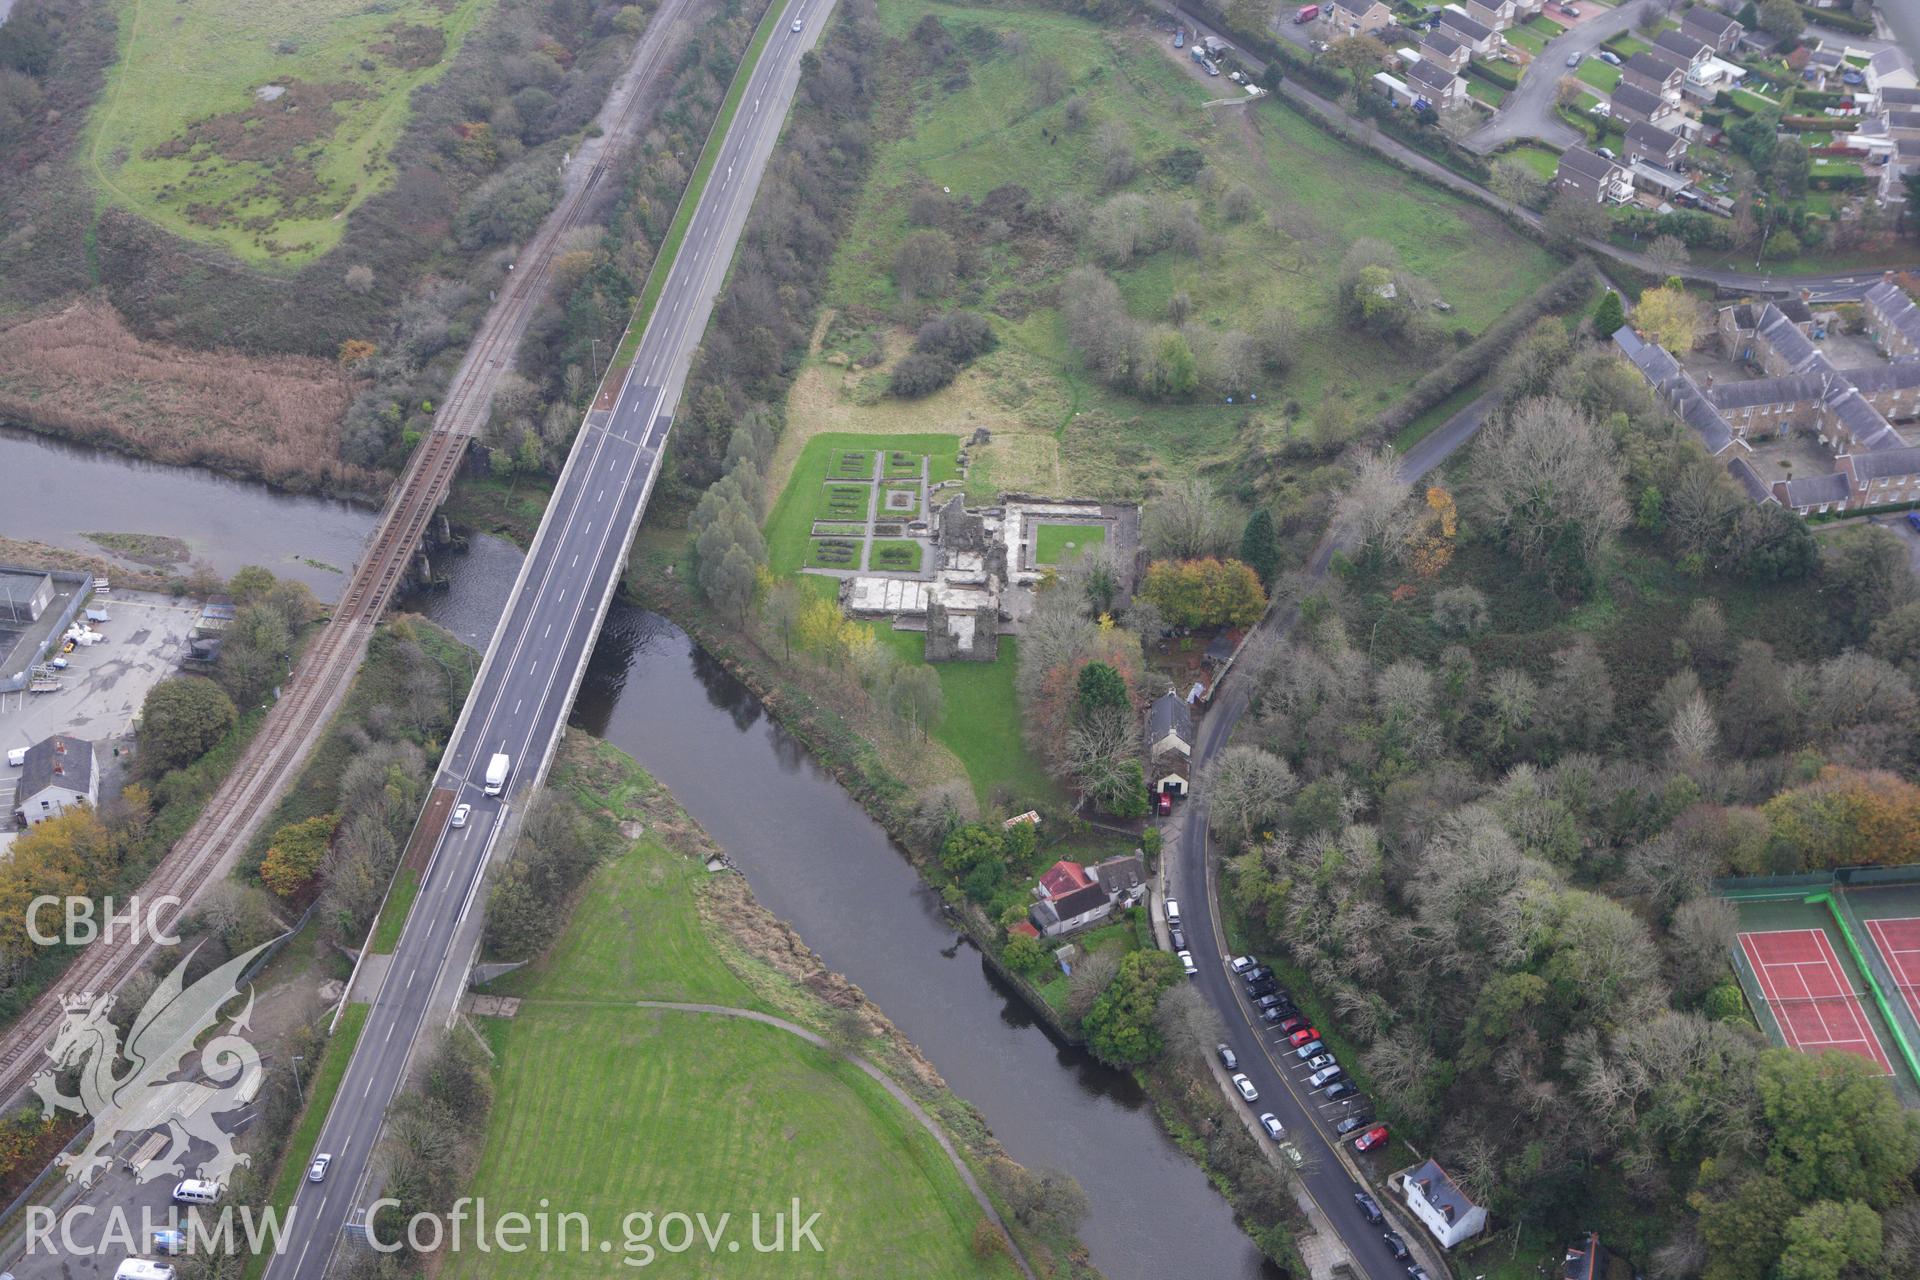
pixel 1089 978
pixel 1246 789
pixel 1374 512
pixel 1186 520
pixel 1548 478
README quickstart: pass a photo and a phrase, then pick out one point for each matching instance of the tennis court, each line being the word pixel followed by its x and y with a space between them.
pixel 1805 986
pixel 1898 942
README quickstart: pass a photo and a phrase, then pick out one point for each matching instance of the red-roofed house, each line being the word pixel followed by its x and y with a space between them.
pixel 1061 879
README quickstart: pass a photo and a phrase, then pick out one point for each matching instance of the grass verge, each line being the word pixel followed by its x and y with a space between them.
pixel 393 916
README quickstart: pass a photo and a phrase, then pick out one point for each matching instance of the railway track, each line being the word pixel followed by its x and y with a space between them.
pixel 320 681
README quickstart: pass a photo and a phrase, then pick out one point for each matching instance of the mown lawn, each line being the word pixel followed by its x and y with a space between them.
pixel 184 136
pixel 1601 75
pixel 1053 423
pixel 807 496
pixel 605 1109
pixel 1542 162
pixel 1058 543
pixel 981 724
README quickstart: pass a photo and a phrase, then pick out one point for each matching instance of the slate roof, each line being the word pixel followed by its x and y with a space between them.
pixel 1648 65
pixel 1474 32
pixel 1443 45
pixel 1895 375
pixel 1118 875
pixel 1909 118
pixel 1791 345
pixel 1680 45
pixel 1636 99
pixel 1795 310
pixel 1893 95
pixel 1440 1190
pixel 1863 422
pixel 1886 463
pixel 1891 301
pixel 1080 901
pixel 1652 135
pixel 1812 491
pixel 1432 75
pixel 1650 358
pixel 1169 714
pixel 1749 480
pixel 1795 388
pixel 1713 27
pixel 57 762
pixel 1589 164
pixel 1889 62
pixel 1907 148
pixel 1683 393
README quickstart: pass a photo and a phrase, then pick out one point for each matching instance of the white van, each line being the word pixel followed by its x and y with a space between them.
pixel 17 758
pixel 196 1191
pixel 141 1269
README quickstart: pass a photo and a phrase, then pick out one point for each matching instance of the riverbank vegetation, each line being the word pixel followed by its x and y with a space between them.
pixel 1499 785
pixel 741 1115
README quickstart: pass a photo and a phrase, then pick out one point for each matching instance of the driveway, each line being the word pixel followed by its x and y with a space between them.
pixel 1528 110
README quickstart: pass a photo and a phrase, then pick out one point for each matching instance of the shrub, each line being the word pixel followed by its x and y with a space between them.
pixel 920 374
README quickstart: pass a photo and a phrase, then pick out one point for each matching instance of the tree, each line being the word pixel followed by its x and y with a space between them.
pixel 1358 56
pixel 924 263
pixel 1246 789
pixel 1205 593
pixel 1186 521
pixel 253 658
pixel 1829 1239
pixel 1671 317
pixel 1609 315
pixel 1548 479
pixel 1024 954
pixel 1049 81
pixel 1668 252
pixel 1088 981
pixel 1373 511
pixel 1756 136
pixel 1865 571
pixel 180 720
pixel 1514 182
pixel 295 853
pixel 1781 18
pixel 780 605
pixel 1572 219
pixel 1259 545
pixel 1836 1130
pixel 918 699
pixel 360 279
pixel 1792 162
pixel 1121 1028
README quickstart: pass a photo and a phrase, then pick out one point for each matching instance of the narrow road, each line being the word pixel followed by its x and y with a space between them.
pixel 1264 1055
pixel 893 1088
pixel 1830 287
pixel 1528 111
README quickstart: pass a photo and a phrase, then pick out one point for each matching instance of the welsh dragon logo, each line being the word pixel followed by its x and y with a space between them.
pixel 144 1097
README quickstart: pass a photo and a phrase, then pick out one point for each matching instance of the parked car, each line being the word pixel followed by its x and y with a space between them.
pixel 1417 1272
pixel 317 1171
pixel 1368 1206
pixel 1571 10
pixel 1177 936
pixel 1609 57
pixel 1358 1120
pixel 1292 1153
pixel 1163 803
pixel 1371 1138
pixel 1271 1123
pixel 169 1242
pixel 1279 1014
pixel 1309 1049
pixel 1395 1245
pixel 1913 520
pixel 1240 964
pixel 1321 1061
pixel 1186 962
pixel 1573 59
pixel 1324 1077
pixel 1604 152
pixel 1228 1058
pixel 1342 1089
pixel 1293 1022
pixel 1245 1086
pixel 1303 1035
pixel 1259 973
pixel 1171 910
pixel 1268 1001
pixel 1265 987
pixel 17 757
pixel 460 814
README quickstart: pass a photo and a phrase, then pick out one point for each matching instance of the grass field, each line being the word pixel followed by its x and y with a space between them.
pixel 602 1108
pixel 1541 161
pixel 1601 75
pixel 981 724
pixel 807 494
pixel 1057 543
pixel 258 125
pixel 1055 428
pixel 1526 38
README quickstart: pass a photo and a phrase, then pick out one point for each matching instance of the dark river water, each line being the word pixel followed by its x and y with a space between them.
pixel 812 855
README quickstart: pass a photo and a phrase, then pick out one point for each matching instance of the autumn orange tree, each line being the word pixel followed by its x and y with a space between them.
pixel 1848 817
pixel 295 855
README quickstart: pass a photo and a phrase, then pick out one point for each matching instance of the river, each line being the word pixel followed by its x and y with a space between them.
pixel 812 855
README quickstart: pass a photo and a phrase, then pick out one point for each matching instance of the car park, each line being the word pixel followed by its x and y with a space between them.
pixel 1395 1245
pixel 1271 1123
pixel 1369 1207
pixel 1341 1089
pixel 1292 1153
pixel 1311 1049
pixel 1324 1077
pixel 460 814
pixel 1347 1124
pixel 1374 1137
pixel 317 1171
pixel 1240 964
pixel 1303 1035
pixel 1245 1086
pixel 1228 1058
pixel 1186 962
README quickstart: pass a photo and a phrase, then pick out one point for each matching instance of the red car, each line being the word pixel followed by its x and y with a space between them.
pixel 1163 803
pixel 1301 1036
pixel 1292 1024
pixel 1371 1138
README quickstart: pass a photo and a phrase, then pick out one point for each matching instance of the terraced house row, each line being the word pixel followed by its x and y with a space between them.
pixel 1850 412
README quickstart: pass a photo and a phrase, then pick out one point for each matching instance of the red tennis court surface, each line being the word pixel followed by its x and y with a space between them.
pixel 1899 943
pixel 1801 978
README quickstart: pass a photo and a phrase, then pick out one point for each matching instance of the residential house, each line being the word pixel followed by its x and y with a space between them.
pixel 1394 89
pixel 1476 36
pixel 1497 14
pixel 1069 899
pixel 1359 17
pixel 1124 878
pixel 1890 68
pixel 59 775
pixel 1749 481
pixel 1711 28
pixel 1644 71
pixel 1654 145
pixel 1441 1205
pixel 1636 106
pixel 1592 176
pixel 1587 1259
pixel 1445 50
pixel 1893 321
pixel 1779 343
pixel 1675 388
pixel 1442 89
pixel 1680 50
pixel 1169 727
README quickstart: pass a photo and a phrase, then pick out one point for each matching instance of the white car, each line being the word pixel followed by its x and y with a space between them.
pixel 1240 964
pixel 1271 1123
pixel 460 815
pixel 1573 59
pixel 1245 1086
pixel 796 26
pixel 317 1171
pixel 1320 1061
pixel 1171 910
pixel 1186 962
